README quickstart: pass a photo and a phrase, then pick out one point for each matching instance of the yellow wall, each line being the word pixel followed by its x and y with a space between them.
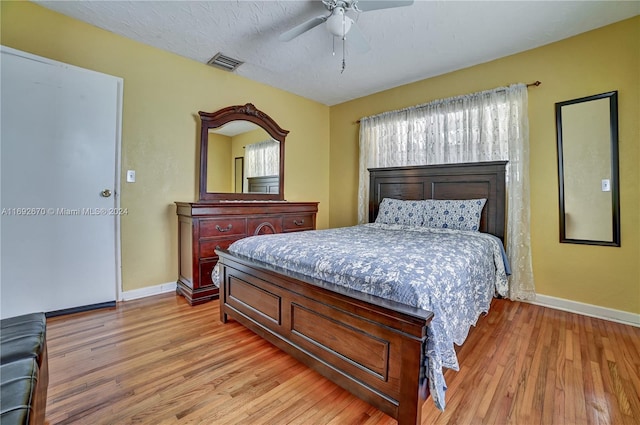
pixel 595 62
pixel 162 94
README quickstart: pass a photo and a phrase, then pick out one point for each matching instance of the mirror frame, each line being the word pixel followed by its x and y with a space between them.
pixel 248 112
pixel 613 147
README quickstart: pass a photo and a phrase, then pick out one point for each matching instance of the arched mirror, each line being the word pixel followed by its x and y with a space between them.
pixel 241 155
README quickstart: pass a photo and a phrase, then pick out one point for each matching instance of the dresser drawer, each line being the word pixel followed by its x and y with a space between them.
pixel 208 247
pixel 294 223
pixel 206 267
pixel 221 227
pixel 264 225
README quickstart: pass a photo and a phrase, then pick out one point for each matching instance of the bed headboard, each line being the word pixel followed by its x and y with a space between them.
pixel 448 181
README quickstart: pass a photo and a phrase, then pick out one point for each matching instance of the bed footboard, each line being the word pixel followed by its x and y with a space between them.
pixel 369 346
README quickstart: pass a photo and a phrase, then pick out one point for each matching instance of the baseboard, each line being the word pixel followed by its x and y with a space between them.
pixel 590 310
pixel 80 309
pixel 148 291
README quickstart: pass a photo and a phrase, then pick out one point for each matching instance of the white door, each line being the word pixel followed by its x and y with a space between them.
pixel 60 137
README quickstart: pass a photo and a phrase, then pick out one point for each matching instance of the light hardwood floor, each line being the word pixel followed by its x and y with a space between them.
pixel 159 361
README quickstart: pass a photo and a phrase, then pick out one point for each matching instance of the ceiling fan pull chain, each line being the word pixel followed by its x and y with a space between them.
pixel 344 43
pixel 344 62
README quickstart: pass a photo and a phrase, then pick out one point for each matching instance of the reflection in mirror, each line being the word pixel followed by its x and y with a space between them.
pixel 236 140
pixel 231 133
pixel 238 178
pixel 587 135
pixel 261 166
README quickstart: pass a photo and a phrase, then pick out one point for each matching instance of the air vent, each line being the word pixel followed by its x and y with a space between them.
pixel 224 62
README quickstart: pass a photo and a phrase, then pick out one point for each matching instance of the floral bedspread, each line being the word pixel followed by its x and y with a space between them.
pixel 452 273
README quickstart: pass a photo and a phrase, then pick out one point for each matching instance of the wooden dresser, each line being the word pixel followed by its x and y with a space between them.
pixel 205 226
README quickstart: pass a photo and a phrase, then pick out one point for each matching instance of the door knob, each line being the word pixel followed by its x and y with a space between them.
pixel 105 193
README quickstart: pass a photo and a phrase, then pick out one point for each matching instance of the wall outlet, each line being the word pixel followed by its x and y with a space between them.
pixel 606 185
pixel 131 176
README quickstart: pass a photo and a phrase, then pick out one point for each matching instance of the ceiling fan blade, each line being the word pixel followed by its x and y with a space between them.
pixel 302 28
pixel 356 40
pixel 367 5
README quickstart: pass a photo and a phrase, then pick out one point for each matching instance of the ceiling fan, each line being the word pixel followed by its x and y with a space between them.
pixel 339 24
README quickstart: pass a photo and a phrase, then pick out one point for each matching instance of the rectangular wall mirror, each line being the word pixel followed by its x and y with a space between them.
pixel 587 136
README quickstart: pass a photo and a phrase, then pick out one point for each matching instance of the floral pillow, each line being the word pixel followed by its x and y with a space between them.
pixel 453 214
pixel 396 211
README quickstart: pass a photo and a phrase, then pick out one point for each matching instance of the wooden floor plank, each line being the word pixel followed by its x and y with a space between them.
pixel 158 360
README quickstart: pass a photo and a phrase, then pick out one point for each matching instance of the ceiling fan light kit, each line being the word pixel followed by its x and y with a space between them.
pixel 339 23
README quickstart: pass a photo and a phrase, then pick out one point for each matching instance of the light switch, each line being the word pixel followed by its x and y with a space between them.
pixel 131 176
pixel 606 185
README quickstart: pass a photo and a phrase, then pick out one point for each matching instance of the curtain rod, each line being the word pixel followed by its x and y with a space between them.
pixel 534 84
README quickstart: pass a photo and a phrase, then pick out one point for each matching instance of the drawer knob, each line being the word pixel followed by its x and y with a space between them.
pixel 298 223
pixel 226 229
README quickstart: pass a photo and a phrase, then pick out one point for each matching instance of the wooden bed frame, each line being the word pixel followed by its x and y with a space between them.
pixel 369 346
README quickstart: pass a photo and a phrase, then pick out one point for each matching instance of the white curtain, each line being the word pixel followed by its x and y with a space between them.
pixel 486 126
pixel 262 158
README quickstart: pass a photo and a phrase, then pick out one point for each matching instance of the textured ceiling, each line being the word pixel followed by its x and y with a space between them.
pixel 408 44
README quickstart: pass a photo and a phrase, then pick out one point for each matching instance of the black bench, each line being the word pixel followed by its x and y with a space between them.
pixel 24 372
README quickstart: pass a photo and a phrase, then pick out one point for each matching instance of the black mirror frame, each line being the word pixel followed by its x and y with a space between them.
pixel 247 112
pixel 615 190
